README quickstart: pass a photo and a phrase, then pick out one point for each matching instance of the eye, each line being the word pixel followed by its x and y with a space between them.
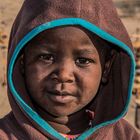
pixel 84 61
pixel 47 58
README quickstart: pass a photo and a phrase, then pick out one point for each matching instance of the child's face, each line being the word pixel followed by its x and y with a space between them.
pixel 62 70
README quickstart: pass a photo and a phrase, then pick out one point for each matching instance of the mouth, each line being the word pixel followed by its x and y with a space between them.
pixel 61 97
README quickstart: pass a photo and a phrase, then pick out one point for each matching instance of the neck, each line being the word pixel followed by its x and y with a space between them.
pixel 72 124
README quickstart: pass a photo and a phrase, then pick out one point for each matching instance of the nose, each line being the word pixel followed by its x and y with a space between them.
pixel 64 73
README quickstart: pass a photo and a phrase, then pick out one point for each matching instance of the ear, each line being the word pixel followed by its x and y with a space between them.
pixel 107 67
pixel 21 64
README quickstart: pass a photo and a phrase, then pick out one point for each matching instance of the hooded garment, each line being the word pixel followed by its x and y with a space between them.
pixel 111 103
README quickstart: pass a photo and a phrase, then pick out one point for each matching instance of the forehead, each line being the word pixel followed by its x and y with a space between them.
pixel 63 34
pixel 68 37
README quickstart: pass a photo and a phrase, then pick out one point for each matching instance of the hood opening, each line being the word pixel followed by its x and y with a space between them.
pixel 117 98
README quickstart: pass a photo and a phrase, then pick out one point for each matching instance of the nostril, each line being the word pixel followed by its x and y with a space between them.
pixel 62 78
pixel 54 78
pixel 64 73
pixel 65 77
pixel 69 81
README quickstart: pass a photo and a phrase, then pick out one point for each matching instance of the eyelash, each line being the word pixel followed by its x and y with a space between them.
pixel 84 61
pixel 49 58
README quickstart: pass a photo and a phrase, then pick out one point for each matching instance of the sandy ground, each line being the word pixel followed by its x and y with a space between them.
pixel 8 11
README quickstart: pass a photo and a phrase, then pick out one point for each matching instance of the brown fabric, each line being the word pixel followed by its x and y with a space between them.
pixel 121 130
pixel 10 130
pixel 111 98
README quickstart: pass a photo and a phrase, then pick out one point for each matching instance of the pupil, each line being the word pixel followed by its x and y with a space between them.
pixel 82 60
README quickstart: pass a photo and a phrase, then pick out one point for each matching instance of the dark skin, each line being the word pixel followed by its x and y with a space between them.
pixel 63 74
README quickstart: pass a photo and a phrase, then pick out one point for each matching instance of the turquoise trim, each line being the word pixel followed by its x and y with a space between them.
pixel 64 22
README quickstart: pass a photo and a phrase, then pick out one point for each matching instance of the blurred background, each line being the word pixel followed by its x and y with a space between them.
pixel 129 12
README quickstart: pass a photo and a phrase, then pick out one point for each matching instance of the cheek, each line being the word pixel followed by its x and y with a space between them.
pixel 89 84
pixel 33 77
pixel 36 72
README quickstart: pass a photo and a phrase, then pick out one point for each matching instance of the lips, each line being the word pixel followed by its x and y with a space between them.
pixel 61 93
pixel 61 96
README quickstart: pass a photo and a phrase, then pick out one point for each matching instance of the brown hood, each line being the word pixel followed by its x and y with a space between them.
pixel 98 16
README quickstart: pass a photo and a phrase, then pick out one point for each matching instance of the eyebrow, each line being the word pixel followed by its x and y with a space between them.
pixel 86 42
pixel 85 51
pixel 42 47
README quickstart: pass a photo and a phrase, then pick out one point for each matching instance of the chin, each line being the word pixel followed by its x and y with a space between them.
pixel 61 113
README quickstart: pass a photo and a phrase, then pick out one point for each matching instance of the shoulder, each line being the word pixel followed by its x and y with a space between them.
pixel 125 130
pixel 8 127
pixel 4 125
